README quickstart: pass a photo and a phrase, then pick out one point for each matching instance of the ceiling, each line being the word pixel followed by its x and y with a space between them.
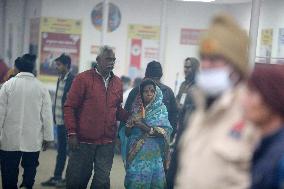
pixel 224 1
pixel 232 1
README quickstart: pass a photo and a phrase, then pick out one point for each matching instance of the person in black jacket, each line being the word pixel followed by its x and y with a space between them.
pixel 63 64
pixel 154 71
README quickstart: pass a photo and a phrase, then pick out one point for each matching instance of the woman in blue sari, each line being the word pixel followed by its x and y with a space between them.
pixel 145 140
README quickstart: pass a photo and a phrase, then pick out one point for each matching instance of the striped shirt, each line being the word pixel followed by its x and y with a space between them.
pixel 58 106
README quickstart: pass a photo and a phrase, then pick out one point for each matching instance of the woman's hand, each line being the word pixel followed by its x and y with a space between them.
pixel 144 127
pixel 129 125
pixel 132 120
pixel 139 124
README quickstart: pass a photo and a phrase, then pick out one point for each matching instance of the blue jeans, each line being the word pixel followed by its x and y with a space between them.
pixel 61 151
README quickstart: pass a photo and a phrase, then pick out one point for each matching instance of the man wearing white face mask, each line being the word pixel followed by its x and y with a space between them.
pixel 216 148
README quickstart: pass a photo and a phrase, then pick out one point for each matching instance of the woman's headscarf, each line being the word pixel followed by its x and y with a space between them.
pixel 154 114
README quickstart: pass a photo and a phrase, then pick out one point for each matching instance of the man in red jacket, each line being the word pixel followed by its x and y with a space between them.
pixel 91 110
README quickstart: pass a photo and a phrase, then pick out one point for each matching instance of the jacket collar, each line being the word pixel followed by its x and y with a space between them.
pixel 65 76
pixel 25 74
pixel 222 103
pixel 111 74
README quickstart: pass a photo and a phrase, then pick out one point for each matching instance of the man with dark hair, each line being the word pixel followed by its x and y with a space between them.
pixel 154 71
pixel 191 66
pixel 63 64
pixel 25 123
pixel 91 112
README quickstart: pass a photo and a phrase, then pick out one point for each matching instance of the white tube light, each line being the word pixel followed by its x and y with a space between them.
pixel 206 1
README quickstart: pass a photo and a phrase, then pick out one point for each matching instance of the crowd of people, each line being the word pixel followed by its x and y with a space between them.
pixel 223 130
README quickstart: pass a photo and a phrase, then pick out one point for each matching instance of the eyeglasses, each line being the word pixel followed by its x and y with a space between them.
pixel 109 59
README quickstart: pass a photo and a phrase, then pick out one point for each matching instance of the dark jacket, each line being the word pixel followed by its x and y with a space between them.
pixel 185 111
pixel 67 87
pixel 168 100
pixel 91 110
pixel 268 163
pixel 188 104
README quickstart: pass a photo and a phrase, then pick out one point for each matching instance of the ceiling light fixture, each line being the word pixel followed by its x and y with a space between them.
pixel 206 1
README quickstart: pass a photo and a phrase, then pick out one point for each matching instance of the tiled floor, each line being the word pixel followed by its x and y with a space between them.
pixel 46 168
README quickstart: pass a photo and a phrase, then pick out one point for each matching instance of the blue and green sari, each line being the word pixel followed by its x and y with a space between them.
pixel 145 157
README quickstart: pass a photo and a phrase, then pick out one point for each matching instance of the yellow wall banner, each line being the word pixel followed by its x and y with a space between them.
pixel 266 46
pixel 58 25
pixel 143 32
pixel 266 37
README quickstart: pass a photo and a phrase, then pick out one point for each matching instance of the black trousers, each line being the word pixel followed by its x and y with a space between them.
pixel 84 160
pixel 61 151
pixel 10 161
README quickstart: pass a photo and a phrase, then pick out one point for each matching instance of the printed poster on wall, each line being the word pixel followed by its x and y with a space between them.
pixel 143 45
pixel 58 36
pixel 266 45
pixel 190 36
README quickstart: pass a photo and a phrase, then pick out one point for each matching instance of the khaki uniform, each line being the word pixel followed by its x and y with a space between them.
pixel 217 146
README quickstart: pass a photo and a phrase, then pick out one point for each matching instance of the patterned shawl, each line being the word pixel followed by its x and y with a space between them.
pixel 155 114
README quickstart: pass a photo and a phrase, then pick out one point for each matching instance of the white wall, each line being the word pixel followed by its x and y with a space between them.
pixel 33 10
pixel 242 12
pixel 272 16
pixel 2 47
pixel 180 15
pixel 18 13
pixel 13 27
pixel 146 13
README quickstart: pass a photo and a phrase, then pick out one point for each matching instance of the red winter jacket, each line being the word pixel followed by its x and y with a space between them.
pixel 91 110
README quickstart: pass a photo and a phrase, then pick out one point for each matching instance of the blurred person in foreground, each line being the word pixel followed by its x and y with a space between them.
pixel 91 112
pixel 217 146
pixel 25 123
pixel 264 105
pixel 186 106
